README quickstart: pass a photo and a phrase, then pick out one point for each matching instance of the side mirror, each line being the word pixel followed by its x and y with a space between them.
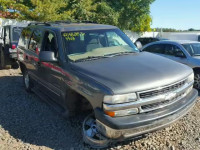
pixel 180 54
pixel 47 56
pixel 138 44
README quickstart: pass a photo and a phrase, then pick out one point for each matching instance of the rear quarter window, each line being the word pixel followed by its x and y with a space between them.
pixel 16 32
pixel 24 38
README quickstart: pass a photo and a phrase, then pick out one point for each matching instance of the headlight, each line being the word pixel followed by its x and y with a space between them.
pixel 190 78
pixel 117 99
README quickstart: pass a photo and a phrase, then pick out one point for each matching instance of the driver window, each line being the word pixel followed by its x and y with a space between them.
pixel 172 49
pixel 50 43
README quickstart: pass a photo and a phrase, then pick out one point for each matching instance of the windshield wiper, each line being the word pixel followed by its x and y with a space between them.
pixel 91 58
pixel 119 54
pixel 196 55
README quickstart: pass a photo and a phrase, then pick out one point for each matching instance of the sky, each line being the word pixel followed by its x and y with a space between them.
pixel 177 14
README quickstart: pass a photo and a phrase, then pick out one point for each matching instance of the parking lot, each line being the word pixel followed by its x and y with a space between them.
pixel 26 122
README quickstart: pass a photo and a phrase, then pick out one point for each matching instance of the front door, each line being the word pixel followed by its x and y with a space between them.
pixel 51 72
pixel 171 51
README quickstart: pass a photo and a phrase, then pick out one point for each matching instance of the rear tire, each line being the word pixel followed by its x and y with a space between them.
pixel 27 82
pixel 4 61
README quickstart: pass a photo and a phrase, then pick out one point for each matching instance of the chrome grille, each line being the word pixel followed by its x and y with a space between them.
pixel 158 98
pixel 161 91
pixel 161 104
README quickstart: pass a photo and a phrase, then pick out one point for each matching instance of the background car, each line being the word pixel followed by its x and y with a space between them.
pixel 8 44
pixel 186 52
pixel 146 40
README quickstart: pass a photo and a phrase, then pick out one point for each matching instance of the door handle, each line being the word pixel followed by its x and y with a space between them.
pixel 39 64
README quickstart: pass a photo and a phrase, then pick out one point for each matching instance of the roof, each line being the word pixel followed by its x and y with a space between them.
pixel 177 41
pixel 75 26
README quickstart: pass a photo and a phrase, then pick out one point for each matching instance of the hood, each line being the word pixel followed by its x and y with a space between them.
pixel 133 73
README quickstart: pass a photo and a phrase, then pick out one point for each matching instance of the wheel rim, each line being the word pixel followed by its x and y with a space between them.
pixel 91 134
pixel 26 80
pixel 197 81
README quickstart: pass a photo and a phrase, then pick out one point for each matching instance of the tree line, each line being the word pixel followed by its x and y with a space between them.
pixel 127 14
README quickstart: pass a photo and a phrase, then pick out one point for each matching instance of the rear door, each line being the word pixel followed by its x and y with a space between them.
pixel 155 48
pixel 32 54
pixel 22 49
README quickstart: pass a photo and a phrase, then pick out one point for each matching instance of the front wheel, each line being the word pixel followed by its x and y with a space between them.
pixel 27 81
pixel 91 135
pixel 197 80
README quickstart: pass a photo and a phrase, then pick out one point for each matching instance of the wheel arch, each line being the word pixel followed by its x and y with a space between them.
pixel 76 102
pixel 196 69
pixel 22 67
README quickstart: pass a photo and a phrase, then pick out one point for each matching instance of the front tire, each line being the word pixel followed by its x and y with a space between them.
pixel 91 136
pixel 27 81
pixel 197 80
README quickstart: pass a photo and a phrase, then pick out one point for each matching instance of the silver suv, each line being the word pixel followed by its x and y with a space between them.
pixel 186 52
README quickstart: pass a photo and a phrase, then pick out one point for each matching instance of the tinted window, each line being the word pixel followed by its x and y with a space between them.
pixel 145 41
pixel 24 38
pixel 35 41
pixel 16 32
pixel 199 38
pixel 171 49
pixel 157 48
pixel 50 43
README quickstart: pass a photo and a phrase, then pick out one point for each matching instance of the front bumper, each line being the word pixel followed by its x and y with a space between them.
pixel 121 128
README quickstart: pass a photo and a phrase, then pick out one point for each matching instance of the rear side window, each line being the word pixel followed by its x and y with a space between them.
pixel 7 35
pixel 16 32
pixel 24 38
pixel 157 48
pixel 35 41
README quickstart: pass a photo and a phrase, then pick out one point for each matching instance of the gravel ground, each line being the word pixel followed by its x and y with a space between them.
pixel 28 123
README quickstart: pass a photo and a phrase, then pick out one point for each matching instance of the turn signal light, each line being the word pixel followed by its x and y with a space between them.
pixel 110 113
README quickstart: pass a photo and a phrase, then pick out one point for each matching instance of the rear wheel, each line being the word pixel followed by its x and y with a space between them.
pixel 4 61
pixel 197 80
pixel 27 81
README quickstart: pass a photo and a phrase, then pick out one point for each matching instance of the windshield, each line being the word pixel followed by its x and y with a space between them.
pixel 96 43
pixel 193 49
pixel 16 33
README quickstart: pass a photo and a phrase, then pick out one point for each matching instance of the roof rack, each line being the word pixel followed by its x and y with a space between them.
pixel 60 21
pixel 39 23
pixel 72 21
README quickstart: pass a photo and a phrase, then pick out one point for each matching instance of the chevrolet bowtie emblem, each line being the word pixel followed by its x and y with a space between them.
pixel 170 96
